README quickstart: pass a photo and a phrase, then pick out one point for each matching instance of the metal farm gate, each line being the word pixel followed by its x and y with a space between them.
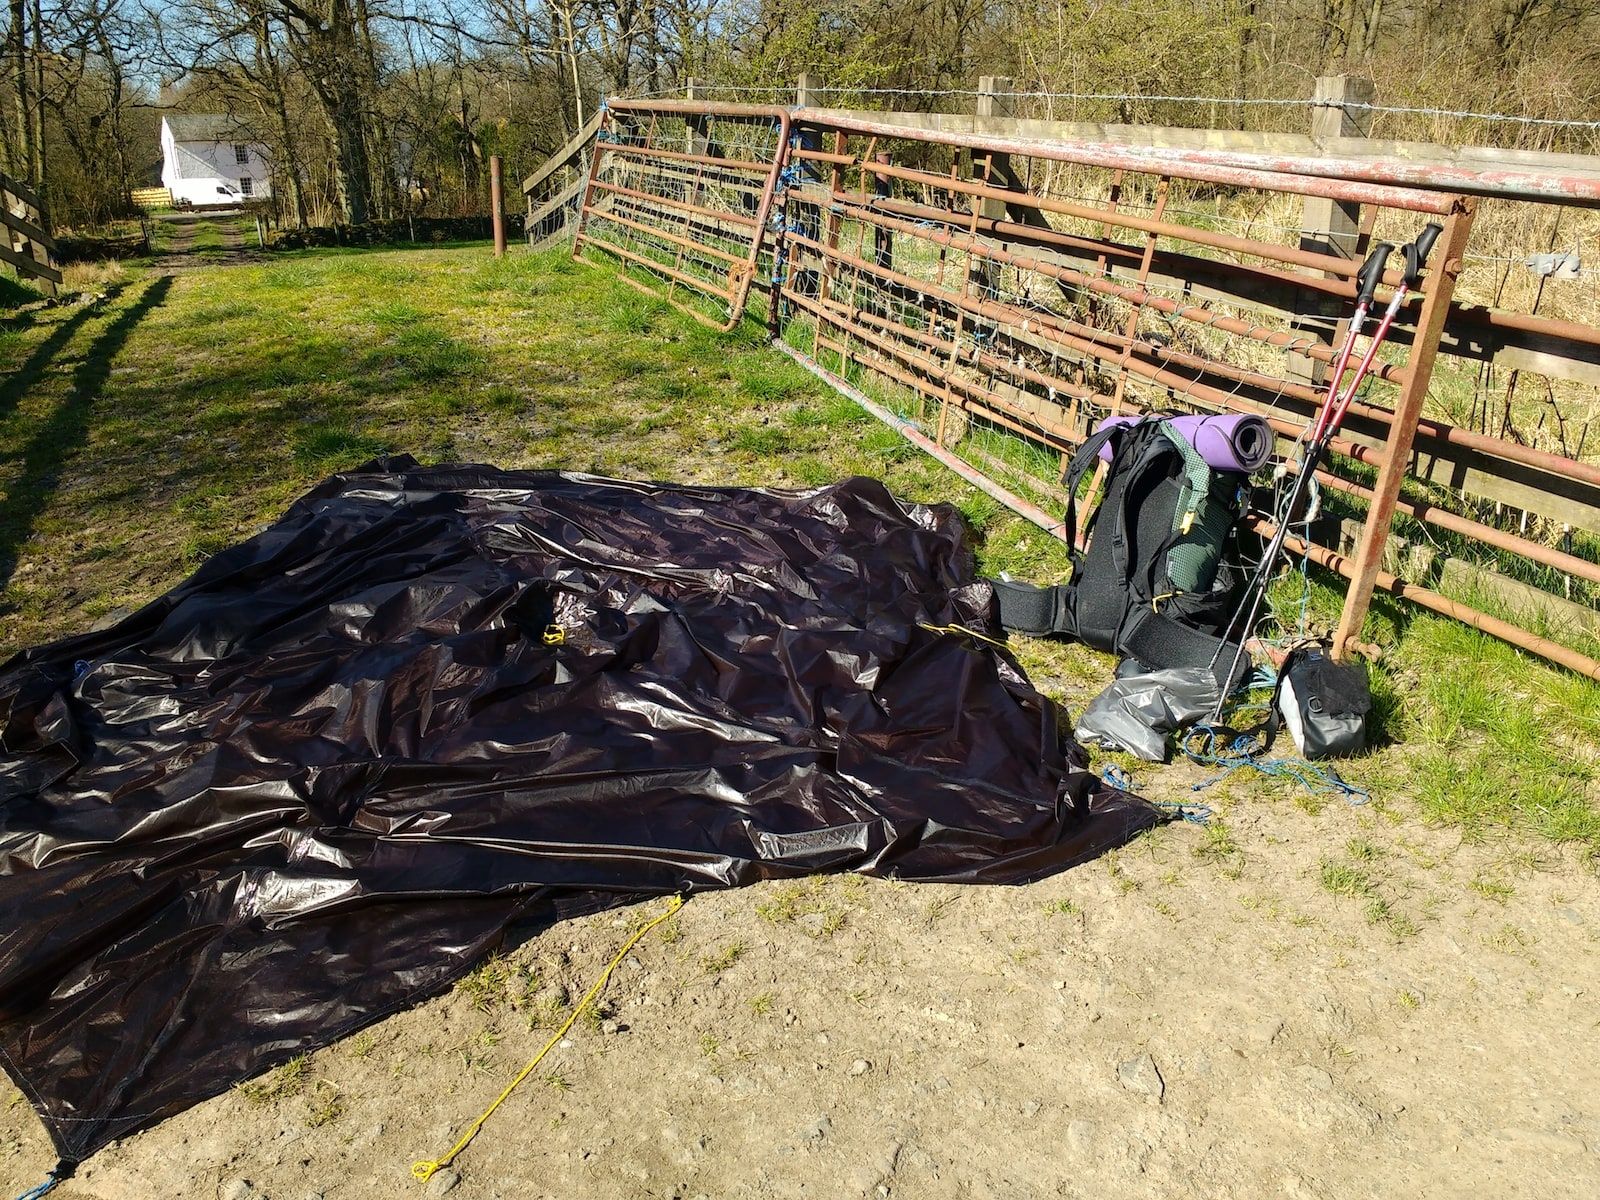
pixel 992 283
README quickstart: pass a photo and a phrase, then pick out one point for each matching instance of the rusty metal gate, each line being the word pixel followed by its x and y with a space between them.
pixel 681 192
pixel 1030 287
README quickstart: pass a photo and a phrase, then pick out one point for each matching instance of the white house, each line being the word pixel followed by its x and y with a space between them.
pixel 211 160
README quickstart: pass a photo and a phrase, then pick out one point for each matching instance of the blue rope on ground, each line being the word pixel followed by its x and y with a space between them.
pixel 1117 777
pixel 1263 676
pixel 1195 814
pixel 1204 745
pixel 48 1186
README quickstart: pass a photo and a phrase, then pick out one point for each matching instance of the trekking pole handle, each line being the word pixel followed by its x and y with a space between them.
pixel 1371 273
pixel 1417 252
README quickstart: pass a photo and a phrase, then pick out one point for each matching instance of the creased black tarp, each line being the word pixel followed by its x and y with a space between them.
pixel 322 777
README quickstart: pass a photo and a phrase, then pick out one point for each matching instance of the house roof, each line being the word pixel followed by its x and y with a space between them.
pixel 206 127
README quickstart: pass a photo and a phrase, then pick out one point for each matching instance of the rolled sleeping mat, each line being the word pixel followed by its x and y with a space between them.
pixel 1227 441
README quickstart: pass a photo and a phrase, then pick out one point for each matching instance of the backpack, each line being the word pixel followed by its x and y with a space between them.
pixel 1155 583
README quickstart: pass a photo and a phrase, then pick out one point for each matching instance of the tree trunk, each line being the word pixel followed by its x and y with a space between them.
pixel 272 72
pixel 39 164
pixel 1247 35
pixel 1369 40
pixel 19 64
pixel 339 90
pixel 381 185
pixel 570 37
pixel 351 171
pixel 118 140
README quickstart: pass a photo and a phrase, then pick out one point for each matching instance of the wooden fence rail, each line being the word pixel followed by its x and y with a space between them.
pixel 554 190
pixel 1001 275
pixel 27 244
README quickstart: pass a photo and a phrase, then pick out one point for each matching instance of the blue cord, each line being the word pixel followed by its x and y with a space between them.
pixel 1195 814
pixel 1117 777
pixel 48 1186
pixel 1203 744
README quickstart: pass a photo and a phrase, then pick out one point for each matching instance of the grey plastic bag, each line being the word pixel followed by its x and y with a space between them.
pixel 1137 711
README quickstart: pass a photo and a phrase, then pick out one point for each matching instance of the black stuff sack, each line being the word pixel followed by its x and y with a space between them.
pixel 1323 704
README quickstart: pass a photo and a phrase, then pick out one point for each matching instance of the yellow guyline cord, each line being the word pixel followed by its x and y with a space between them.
pixel 425 1168
pixel 963 631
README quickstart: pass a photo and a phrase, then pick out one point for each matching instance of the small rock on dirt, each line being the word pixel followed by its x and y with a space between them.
pixel 1263 1031
pixel 863 1179
pixel 1140 1075
pixel 919 1159
pixel 889 1159
pixel 1314 1077
pixel 1081 1135
pixel 554 996
pixel 443 1182
pixel 818 1130
pixel 860 1067
pixel 239 1189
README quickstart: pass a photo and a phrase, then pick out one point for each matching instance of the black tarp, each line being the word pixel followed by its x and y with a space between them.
pixel 340 764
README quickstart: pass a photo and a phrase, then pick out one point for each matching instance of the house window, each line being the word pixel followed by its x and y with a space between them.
pixel 245 186
pixel 241 152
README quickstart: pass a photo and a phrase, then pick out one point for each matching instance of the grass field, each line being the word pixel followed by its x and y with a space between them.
pixel 143 430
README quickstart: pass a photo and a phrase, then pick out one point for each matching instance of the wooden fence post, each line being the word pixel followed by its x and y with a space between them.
pixel 696 141
pixel 497 206
pixel 1330 226
pixel 808 94
pixel 993 101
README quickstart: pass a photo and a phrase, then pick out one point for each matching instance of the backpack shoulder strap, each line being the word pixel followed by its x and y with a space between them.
pixel 1084 461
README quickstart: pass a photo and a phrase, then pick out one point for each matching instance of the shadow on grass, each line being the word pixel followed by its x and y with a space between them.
pixel 14 295
pixel 33 368
pixel 62 433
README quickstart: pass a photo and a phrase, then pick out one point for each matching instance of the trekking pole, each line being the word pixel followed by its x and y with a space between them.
pixel 1367 285
pixel 1367 280
pixel 1416 256
pixel 1329 420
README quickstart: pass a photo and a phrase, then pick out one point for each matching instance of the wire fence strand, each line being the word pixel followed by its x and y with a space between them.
pixel 1144 98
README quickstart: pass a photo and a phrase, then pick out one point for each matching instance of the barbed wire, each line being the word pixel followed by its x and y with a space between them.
pixel 1228 101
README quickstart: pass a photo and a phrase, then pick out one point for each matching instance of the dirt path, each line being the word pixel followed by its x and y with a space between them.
pixel 1209 1013
pixel 183 250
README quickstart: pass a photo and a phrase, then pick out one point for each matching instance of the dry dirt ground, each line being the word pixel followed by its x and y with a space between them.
pixel 1300 999
pixel 1205 1013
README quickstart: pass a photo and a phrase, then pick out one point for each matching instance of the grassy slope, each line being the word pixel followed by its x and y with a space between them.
pixel 143 432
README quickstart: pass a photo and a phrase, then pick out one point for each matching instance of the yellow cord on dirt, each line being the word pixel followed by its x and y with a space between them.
pixel 962 629
pixel 425 1168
